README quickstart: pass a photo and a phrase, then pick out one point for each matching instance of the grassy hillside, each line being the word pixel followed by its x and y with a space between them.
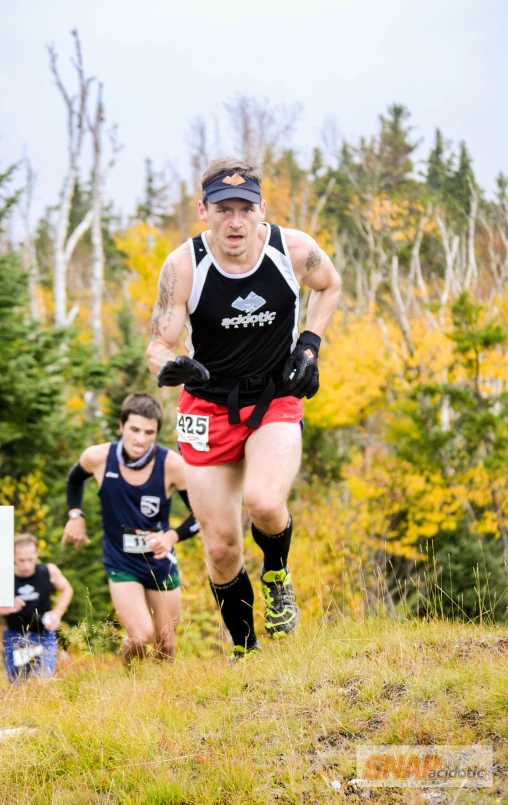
pixel 279 728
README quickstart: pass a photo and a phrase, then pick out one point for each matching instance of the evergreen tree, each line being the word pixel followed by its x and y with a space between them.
pixel 127 371
pixel 288 165
pixel 462 577
pixel 8 197
pixel 477 441
pixel 438 168
pixel 31 365
pixel 155 203
pixel 395 148
pixel 459 183
pixel 502 197
pixel 502 188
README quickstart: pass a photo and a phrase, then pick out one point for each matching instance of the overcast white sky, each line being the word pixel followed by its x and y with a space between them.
pixel 165 62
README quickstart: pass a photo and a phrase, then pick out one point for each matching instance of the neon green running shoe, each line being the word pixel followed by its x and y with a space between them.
pixel 240 653
pixel 281 612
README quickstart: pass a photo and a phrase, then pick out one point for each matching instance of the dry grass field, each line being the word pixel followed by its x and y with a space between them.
pixel 278 728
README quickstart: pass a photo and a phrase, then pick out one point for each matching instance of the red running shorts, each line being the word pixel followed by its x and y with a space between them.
pixel 205 436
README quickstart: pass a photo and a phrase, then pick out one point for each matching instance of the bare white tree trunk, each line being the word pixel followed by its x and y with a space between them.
pixel 28 250
pixel 399 305
pixel 304 207
pixel 199 155
pixel 339 262
pixel 504 264
pixel 445 414
pixel 498 263
pixel 320 206
pixel 450 246
pixel 472 270
pixel 417 267
pixel 259 127
pixel 96 215
pixel 76 112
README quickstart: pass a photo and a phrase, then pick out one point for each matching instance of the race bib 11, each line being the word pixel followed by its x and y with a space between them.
pixel 135 543
pixel 193 430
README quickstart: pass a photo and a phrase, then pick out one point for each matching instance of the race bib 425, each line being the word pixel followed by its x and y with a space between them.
pixel 193 430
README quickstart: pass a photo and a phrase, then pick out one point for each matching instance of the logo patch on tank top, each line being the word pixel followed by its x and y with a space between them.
pixel 250 304
pixel 150 505
pixel 28 593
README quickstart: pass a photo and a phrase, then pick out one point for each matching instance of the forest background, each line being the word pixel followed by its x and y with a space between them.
pixel 402 501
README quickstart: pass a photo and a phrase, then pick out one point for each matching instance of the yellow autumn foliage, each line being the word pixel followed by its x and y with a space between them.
pixel 355 364
pixel 146 249
pixel 26 495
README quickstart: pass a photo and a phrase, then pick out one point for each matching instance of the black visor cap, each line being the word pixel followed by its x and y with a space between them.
pixel 228 186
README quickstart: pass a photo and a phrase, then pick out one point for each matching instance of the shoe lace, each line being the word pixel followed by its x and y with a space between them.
pixel 278 597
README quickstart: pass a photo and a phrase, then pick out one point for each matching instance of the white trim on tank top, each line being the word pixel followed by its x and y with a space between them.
pixel 246 273
pixel 200 273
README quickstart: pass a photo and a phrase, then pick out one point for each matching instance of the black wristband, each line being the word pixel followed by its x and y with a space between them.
pixel 75 484
pixel 310 339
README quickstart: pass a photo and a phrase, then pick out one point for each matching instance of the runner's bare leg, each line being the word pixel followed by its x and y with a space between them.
pixel 165 607
pixel 129 600
pixel 272 458
pixel 216 496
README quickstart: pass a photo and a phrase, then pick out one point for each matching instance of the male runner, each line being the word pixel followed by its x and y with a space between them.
pixel 30 645
pixel 236 289
pixel 136 477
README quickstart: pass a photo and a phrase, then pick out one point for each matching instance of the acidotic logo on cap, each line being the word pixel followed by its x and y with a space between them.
pixel 235 180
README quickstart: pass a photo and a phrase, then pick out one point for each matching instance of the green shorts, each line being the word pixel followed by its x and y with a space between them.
pixel 171 582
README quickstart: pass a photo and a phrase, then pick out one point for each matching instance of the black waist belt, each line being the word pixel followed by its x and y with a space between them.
pixel 262 383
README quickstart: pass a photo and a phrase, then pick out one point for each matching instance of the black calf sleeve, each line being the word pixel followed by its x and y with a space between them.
pixel 275 547
pixel 235 600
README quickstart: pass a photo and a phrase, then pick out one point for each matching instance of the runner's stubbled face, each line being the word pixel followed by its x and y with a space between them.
pixel 25 560
pixel 234 225
pixel 139 433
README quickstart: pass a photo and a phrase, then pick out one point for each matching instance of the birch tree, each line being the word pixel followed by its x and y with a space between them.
pixel 258 127
pixel 97 283
pixel 76 107
pixel 29 255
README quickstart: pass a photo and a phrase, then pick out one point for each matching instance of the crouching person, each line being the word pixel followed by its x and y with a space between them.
pixel 30 643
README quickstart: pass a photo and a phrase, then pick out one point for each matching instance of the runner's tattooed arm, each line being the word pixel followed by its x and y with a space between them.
pixel 169 313
pixel 314 268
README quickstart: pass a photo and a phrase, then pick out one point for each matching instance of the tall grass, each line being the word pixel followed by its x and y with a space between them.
pixel 279 728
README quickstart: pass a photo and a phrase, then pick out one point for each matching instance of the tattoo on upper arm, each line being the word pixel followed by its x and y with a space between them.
pixel 164 309
pixel 313 259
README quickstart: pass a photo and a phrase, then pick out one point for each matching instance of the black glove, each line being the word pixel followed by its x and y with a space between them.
pixel 182 370
pixel 301 375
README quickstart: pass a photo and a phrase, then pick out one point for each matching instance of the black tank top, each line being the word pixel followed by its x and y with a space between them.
pixel 36 592
pixel 242 325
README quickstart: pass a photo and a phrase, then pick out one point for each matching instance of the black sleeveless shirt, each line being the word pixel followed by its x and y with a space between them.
pixel 36 592
pixel 242 326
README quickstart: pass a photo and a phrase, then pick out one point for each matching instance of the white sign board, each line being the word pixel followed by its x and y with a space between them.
pixel 6 556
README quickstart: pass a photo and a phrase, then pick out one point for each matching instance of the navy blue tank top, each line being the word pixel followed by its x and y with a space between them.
pixel 126 507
